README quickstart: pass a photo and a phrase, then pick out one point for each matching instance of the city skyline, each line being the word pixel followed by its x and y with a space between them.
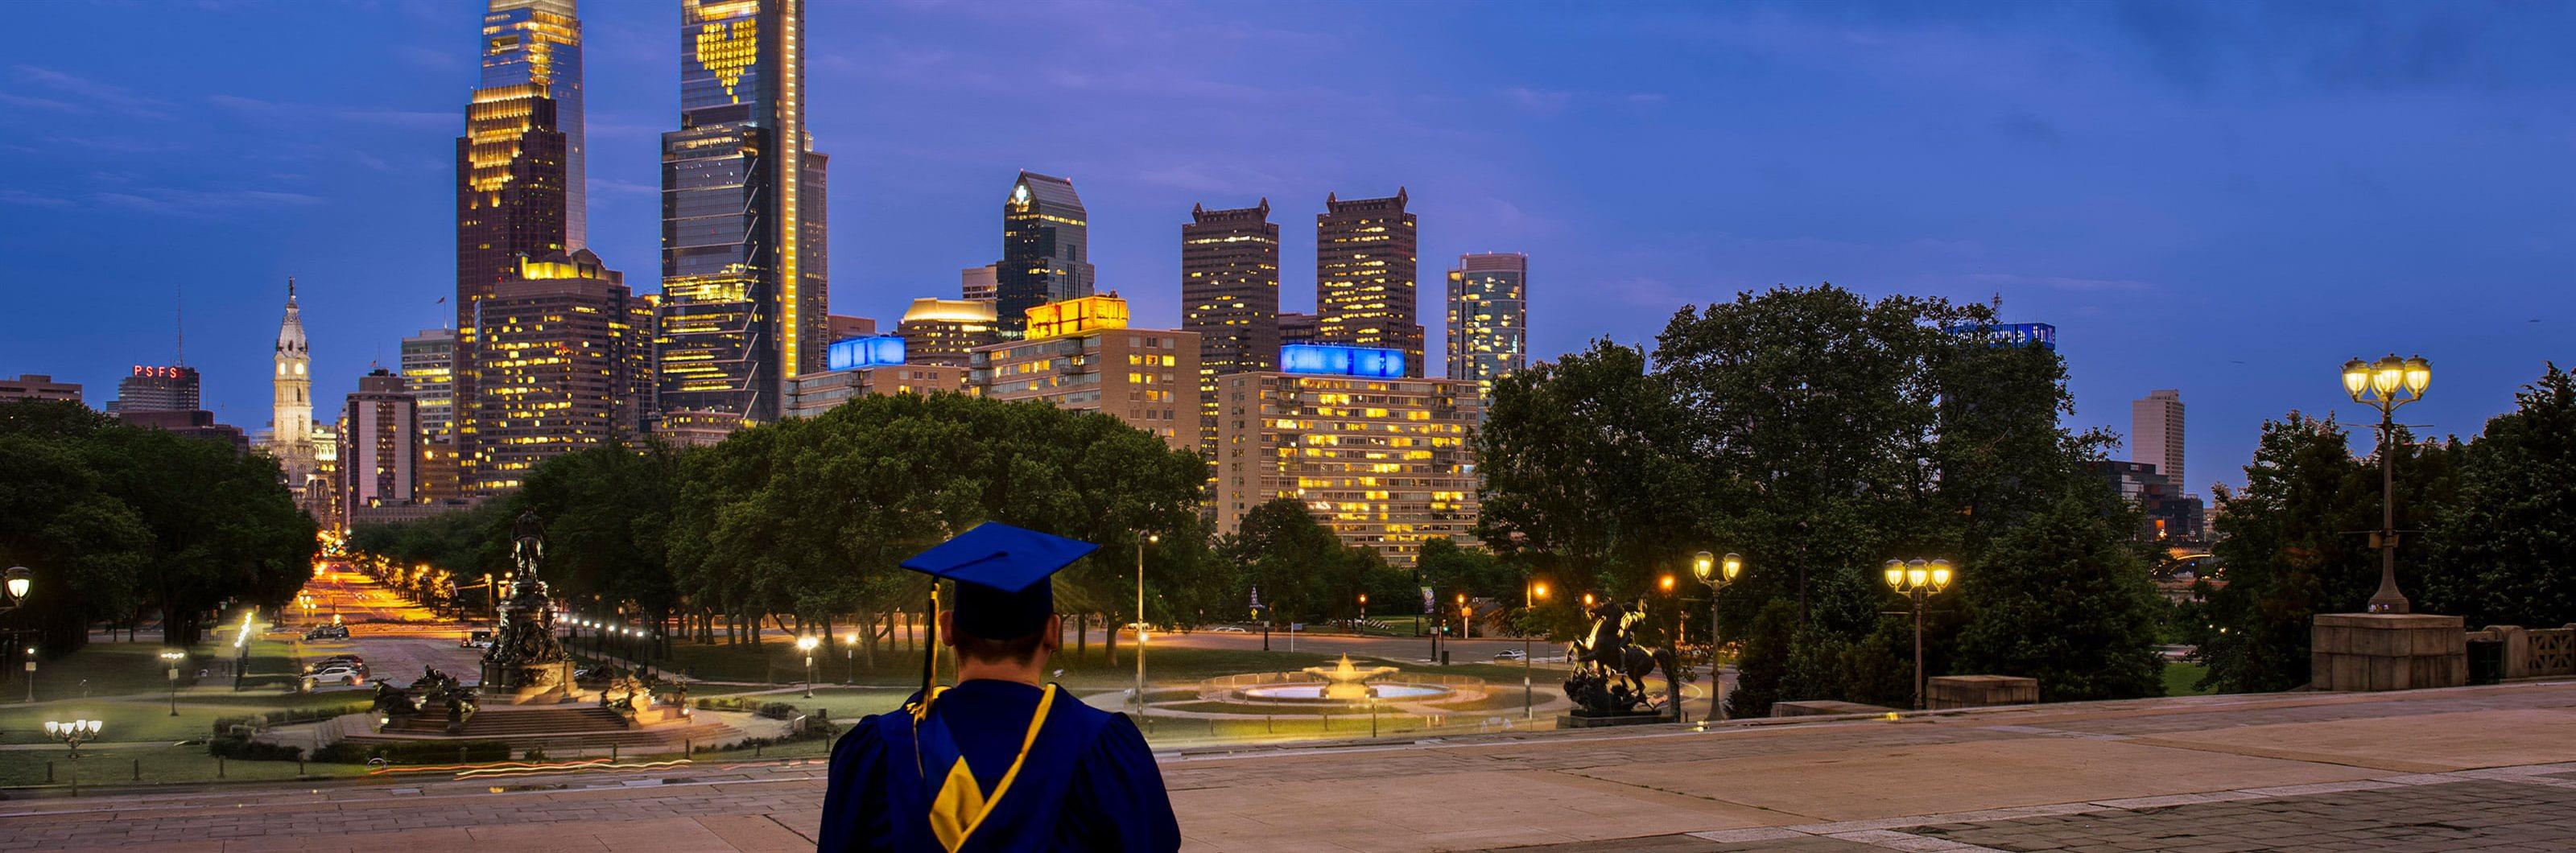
pixel 2181 285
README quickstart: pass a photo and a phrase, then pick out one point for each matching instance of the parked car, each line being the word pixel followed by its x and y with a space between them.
pixel 341 674
pixel 350 661
pixel 476 640
pixel 1508 654
pixel 327 632
pixel 1228 629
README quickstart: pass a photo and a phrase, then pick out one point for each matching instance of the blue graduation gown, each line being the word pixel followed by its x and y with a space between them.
pixel 1089 782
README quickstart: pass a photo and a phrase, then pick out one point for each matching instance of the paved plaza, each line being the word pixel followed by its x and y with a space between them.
pixel 2487 768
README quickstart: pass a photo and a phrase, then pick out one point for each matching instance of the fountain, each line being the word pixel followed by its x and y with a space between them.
pixel 1346 683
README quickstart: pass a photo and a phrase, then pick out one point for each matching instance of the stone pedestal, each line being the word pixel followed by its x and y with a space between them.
pixel 2387 651
pixel 1979 691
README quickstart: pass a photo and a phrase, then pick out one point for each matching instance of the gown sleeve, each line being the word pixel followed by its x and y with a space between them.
pixel 1118 800
pixel 854 799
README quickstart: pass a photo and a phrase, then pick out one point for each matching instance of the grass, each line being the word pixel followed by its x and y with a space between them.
pixel 2179 678
pixel 152 765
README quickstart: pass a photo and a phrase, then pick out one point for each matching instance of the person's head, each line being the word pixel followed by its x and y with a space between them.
pixel 1031 649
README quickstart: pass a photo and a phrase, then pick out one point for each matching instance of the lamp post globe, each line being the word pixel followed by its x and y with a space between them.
pixel 19 581
pixel 2385 385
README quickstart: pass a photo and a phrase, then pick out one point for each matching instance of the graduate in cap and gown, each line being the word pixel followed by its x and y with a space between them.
pixel 1004 760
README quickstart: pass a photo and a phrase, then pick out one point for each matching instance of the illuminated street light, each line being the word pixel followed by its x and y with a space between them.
pixel 806 644
pixel 1917 581
pixel 1716 572
pixel 170 660
pixel 1144 539
pixel 73 734
pixel 2387 384
pixel 20 580
pixel 1531 592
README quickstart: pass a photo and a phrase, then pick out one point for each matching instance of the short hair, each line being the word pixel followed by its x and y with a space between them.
pixel 1020 649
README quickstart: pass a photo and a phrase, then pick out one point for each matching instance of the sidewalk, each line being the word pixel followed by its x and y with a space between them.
pixel 2432 770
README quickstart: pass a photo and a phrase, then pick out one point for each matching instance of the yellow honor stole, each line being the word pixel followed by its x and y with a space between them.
pixel 961 804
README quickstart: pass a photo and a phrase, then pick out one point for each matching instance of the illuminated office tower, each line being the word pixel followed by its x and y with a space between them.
pixel 1079 354
pixel 1364 264
pixel 519 178
pixel 1382 460
pixel 1230 297
pixel 744 282
pixel 2156 434
pixel 156 389
pixel 944 331
pixel 1046 250
pixel 38 386
pixel 429 375
pixel 566 362
pixel 379 447
pixel 1488 318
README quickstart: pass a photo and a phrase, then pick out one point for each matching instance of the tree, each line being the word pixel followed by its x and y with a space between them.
pixel 2288 557
pixel 222 527
pixel 1302 570
pixel 2504 551
pixel 85 545
pixel 2059 598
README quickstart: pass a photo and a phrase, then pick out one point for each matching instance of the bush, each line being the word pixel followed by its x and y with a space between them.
pixel 771 710
pixel 346 752
pixel 244 749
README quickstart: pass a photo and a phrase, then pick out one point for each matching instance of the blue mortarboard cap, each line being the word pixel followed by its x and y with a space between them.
pixel 1001 573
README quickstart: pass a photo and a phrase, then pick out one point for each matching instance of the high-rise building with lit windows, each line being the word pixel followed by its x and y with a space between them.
pixel 379 447
pixel 1046 249
pixel 1364 276
pixel 429 375
pixel 1488 318
pixel 1080 354
pixel 945 331
pixel 745 287
pixel 290 422
pixel 157 388
pixel 982 282
pixel 1230 297
pixel 519 167
pixel 566 362
pixel 1383 460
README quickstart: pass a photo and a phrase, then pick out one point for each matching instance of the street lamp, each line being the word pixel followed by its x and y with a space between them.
pixel 1143 540
pixel 1531 592
pixel 1716 572
pixel 2387 384
pixel 1917 580
pixel 1363 612
pixel 1466 624
pixel 806 644
pixel 171 659
pixel 19 580
pixel 73 734
pixel 850 658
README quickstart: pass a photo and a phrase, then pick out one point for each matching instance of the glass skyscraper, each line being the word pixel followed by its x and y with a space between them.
pixel 1488 318
pixel 744 282
pixel 518 168
pixel 1046 249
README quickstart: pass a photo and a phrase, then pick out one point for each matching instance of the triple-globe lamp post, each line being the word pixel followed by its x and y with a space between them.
pixel 1918 580
pixel 2387 384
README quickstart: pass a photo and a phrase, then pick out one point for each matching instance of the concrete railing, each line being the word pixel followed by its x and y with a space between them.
pixel 2533 652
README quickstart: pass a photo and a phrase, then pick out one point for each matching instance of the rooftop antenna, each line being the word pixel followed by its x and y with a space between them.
pixel 179 318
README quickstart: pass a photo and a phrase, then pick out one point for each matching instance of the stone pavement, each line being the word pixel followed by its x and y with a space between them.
pixel 2488 768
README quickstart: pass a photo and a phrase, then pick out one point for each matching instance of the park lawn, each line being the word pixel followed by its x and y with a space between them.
pixel 158 765
pixel 2180 678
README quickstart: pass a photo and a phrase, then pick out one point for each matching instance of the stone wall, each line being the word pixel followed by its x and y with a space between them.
pixel 1978 691
pixel 2534 652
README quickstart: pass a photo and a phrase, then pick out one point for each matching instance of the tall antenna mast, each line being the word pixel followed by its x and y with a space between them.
pixel 179 318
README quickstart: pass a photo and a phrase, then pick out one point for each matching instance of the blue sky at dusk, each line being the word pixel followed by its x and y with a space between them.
pixel 2229 199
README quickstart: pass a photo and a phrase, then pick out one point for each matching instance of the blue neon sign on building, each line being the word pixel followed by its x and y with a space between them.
pixel 2041 335
pixel 1342 361
pixel 870 351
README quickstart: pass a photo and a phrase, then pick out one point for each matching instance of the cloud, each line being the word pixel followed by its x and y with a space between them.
pixel 368 115
pixel 180 202
pixel 84 90
pixel 28 199
pixel 600 186
pixel 1548 102
pixel 2025 126
pixel 2071 284
pixel 37 103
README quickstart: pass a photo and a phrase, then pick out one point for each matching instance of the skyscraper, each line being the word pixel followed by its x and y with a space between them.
pixel 290 424
pixel 979 282
pixel 38 386
pixel 157 389
pixel 1383 461
pixel 944 331
pixel 2155 433
pixel 1046 249
pixel 744 284
pixel 1364 265
pixel 429 375
pixel 1230 298
pixel 1488 318
pixel 379 446
pixel 566 362
pixel 519 166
